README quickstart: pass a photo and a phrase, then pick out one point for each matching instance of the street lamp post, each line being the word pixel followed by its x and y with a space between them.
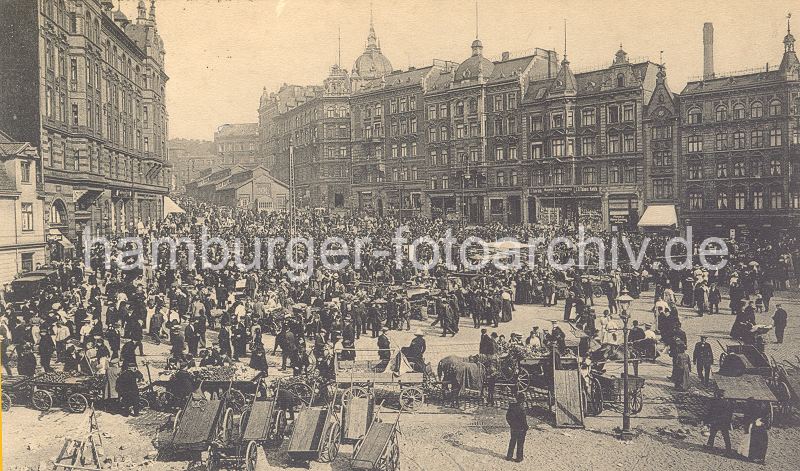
pixel 624 301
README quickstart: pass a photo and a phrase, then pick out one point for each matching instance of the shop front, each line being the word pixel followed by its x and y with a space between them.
pixel 569 206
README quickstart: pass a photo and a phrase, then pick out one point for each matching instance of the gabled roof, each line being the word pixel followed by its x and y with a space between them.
pixel 505 70
pixel 597 81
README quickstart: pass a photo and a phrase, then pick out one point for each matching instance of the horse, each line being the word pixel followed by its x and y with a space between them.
pixel 459 373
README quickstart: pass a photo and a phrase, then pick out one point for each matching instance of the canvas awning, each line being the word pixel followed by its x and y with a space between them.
pixel 659 215
pixel 55 235
pixel 171 207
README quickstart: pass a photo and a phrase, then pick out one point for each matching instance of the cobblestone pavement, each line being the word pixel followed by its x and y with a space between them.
pixel 474 436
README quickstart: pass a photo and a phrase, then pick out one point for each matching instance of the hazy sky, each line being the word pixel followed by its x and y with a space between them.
pixel 221 53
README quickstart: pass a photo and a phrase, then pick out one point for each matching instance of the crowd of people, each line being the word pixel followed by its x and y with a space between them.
pixel 96 316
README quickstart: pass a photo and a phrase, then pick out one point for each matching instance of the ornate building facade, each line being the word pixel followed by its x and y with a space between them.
pixel 740 150
pixel 96 110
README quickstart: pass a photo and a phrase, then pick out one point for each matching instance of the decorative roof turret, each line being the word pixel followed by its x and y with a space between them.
pixel 621 57
pixel 789 64
pixel 372 63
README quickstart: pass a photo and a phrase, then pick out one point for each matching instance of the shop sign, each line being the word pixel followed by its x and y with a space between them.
pixel 618 219
pixel 121 194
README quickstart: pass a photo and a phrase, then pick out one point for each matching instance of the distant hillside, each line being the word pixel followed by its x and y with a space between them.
pixel 193 147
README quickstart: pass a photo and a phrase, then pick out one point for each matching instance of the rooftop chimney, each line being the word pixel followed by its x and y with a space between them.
pixel 506 55
pixel 708 51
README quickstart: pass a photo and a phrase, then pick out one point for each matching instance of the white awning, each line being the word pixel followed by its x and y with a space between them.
pixel 659 215
pixel 54 234
pixel 171 207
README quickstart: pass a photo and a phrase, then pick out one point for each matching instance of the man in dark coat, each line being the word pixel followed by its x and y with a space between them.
pixel 703 357
pixel 128 391
pixel 114 339
pixel 487 346
pixel 192 339
pixel 384 346
pixel 719 418
pixel 26 362
pixel 288 348
pixel 779 320
pixel 128 354
pixel 517 419
pixel 47 347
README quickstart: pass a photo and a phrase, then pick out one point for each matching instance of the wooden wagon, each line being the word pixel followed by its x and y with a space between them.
pixel 78 391
pixel 358 410
pixel 604 389
pixel 379 449
pixel 359 375
pixel 749 387
pixel 316 433
pixel 239 389
pixel 16 390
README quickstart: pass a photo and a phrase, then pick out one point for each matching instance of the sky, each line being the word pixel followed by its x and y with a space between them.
pixel 222 53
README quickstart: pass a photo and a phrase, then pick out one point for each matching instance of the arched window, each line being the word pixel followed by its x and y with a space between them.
pixel 722 199
pixel 739 198
pixel 721 113
pixel 58 213
pixel 738 111
pixel 775 107
pixel 758 197
pixel 695 116
pixel 620 80
pixel 776 197
pixel 756 110
pixel 695 198
pixel 501 178
pixel 460 108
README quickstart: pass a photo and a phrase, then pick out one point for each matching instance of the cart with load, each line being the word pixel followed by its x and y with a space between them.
pixel 236 383
pixel 316 433
pixel 16 390
pixel 379 450
pixel 201 428
pixel 78 392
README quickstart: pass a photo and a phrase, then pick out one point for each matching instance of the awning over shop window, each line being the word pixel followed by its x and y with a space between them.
pixel 659 215
pixel 171 207
pixel 55 235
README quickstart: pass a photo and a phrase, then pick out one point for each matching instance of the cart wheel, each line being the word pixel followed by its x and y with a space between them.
pixel 144 403
pixel 411 398
pixel 251 456
pixel 236 400
pixel 523 380
pixel 77 403
pixel 356 447
pixel 212 461
pixel 42 400
pixel 331 446
pixel 175 421
pixel 6 402
pixel 279 424
pixel 243 422
pixel 165 401
pixel 354 391
pixel 226 432
pixel 637 402
pixel 301 391
pixel 595 401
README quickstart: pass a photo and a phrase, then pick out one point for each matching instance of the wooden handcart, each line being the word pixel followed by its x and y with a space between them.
pixel 379 449
pixel 604 390
pixel 199 429
pixel 358 410
pixel 316 433
pixel 263 423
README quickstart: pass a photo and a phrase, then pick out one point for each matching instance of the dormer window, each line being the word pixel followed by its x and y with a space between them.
pixel 620 81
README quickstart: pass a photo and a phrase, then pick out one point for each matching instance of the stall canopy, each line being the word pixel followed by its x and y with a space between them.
pixel 659 215
pixel 171 207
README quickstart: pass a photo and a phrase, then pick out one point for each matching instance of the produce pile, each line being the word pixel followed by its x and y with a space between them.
pixel 60 377
pixel 237 372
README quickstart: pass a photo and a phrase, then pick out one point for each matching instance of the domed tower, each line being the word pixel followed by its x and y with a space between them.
pixel 476 67
pixel 372 63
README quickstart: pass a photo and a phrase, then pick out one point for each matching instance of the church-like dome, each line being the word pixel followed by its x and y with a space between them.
pixel 372 63
pixel 475 65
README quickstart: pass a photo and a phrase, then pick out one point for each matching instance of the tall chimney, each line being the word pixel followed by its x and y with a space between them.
pixel 708 51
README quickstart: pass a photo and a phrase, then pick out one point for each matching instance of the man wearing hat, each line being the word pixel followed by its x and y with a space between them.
pixel 779 319
pixel 703 357
pixel 517 419
pixel 415 352
pixel 384 345
pixel 47 347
